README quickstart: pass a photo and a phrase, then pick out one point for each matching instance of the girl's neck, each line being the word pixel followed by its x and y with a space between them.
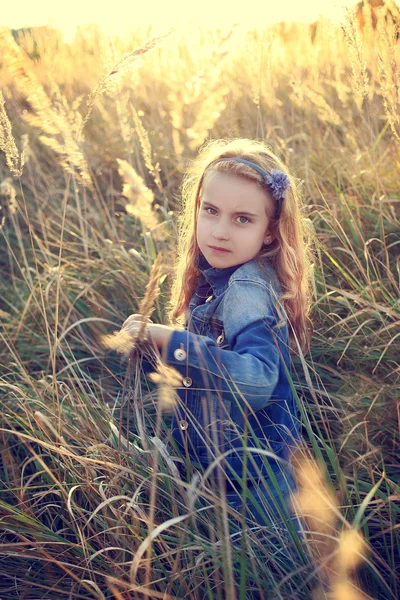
pixel 216 278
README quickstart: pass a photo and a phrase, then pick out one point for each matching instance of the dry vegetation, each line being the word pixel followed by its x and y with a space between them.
pixel 95 136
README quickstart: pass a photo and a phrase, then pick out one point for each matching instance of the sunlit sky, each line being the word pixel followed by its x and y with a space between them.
pixel 117 17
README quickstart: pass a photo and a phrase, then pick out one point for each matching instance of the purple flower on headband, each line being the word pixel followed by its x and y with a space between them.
pixel 279 182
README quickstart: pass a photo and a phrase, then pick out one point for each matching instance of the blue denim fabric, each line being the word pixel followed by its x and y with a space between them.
pixel 235 391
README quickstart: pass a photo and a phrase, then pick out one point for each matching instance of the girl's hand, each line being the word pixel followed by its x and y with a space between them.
pixel 157 334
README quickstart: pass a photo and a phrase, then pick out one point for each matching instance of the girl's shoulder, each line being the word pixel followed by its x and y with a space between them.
pixel 256 272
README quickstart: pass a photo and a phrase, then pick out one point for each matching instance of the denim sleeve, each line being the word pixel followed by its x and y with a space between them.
pixel 251 366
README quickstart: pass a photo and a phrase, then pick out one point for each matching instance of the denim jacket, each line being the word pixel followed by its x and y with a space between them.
pixel 230 356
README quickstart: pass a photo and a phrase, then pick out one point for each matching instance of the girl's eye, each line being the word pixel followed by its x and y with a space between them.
pixel 208 208
pixel 246 220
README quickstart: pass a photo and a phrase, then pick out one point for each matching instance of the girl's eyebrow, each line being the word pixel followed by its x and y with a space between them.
pixel 238 212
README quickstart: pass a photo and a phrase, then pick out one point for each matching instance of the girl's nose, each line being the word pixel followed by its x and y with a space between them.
pixel 220 232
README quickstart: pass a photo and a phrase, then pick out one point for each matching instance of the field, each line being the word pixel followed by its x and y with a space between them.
pixel 95 138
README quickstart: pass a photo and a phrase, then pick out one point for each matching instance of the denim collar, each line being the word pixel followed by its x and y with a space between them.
pixel 217 278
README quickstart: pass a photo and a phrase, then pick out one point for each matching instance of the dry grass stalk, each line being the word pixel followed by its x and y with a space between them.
pixel 46 425
pixel 7 142
pixel 152 292
pixel 26 150
pixel 162 448
pixel 146 147
pixel 325 111
pixel 121 104
pixel 122 441
pixel 110 79
pixel 124 342
pixel 356 55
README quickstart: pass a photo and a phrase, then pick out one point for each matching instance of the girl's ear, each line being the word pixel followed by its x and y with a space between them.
pixel 268 239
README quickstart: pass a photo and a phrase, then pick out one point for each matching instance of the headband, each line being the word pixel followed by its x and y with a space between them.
pixel 275 180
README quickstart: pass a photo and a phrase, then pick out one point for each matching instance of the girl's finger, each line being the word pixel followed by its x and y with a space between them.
pixel 131 328
pixel 134 318
pixel 134 327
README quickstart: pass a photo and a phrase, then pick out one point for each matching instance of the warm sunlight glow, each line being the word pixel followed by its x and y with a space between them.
pixel 119 17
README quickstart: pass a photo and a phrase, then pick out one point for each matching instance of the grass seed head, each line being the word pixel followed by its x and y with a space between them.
pixel 351 547
pixel 7 142
pixel 315 500
pixel 7 190
pixel 167 378
pixel 345 590
pixel 121 341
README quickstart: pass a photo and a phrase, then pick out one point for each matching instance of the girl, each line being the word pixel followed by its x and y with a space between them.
pixel 243 284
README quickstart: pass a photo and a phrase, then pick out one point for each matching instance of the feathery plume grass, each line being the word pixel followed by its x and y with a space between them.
pixel 388 76
pixel 121 341
pixel 7 190
pixel 319 506
pixel 52 120
pixel 317 503
pixel 146 147
pixel 345 590
pixel 140 198
pixel 211 109
pixel 167 378
pixel 7 142
pixel 350 553
pixel 203 94
pixel 351 548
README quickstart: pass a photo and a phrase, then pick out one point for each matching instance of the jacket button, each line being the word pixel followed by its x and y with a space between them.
pixel 187 382
pixel 209 298
pixel 180 354
pixel 220 339
pixel 183 425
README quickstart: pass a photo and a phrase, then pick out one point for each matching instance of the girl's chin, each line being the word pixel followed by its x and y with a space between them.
pixel 222 260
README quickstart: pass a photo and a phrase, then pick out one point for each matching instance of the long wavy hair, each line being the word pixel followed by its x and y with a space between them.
pixel 289 253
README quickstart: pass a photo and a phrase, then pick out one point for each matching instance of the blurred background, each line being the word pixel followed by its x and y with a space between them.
pixel 122 17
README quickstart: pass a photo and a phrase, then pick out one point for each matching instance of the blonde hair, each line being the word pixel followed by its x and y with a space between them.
pixel 289 254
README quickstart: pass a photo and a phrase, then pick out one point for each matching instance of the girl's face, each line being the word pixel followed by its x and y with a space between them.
pixel 232 222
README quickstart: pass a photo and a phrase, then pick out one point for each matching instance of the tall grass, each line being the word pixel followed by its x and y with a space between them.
pixel 93 503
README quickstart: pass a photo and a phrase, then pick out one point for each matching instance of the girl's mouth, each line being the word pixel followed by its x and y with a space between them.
pixel 218 250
